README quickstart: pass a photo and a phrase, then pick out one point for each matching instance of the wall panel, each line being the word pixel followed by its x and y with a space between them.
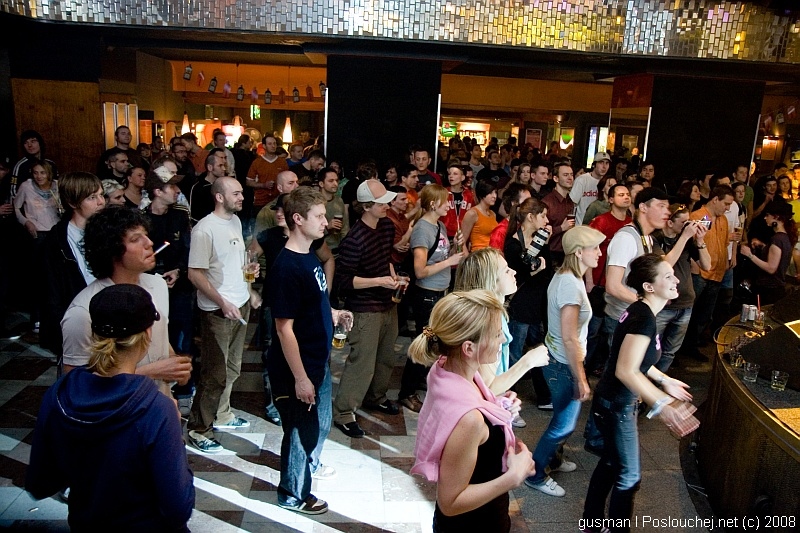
pixel 68 116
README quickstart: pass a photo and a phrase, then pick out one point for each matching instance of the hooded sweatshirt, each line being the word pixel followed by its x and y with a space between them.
pixel 117 443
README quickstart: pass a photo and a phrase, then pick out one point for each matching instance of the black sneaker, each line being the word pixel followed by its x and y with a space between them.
pixel 351 429
pixel 311 505
pixel 387 408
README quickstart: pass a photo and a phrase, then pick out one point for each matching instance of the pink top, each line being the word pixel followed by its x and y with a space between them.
pixel 449 398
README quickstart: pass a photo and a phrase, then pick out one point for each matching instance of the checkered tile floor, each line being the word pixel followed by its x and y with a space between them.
pixel 372 491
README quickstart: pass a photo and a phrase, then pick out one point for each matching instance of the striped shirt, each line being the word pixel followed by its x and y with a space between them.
pixel 366 253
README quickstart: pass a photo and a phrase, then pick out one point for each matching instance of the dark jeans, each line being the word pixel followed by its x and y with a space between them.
pixel 181 333
pixel 414 375
pixel 523 334
pixel 304 433
pixel 618 472
pixel 706 292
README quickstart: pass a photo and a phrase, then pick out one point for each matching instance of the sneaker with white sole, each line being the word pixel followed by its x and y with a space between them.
pixel 204 444
pixel 545 406
pixel 565 466
pixel 548 486
pixel 324 472
pixel 518 422
pixel 311 505
pixel 235 423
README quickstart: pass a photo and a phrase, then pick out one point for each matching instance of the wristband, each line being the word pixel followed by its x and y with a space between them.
pixel 702 246
pixel 658 406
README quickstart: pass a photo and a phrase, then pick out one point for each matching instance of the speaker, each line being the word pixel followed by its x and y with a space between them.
pixel 777 350
pixel 787 309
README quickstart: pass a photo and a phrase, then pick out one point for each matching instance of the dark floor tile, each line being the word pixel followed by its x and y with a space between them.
pixel 22 410
pixel 252 367
pixel 49 526
pixel 261 486
pixel 13 470
pixel 201 463
pixel 233 518
pixel 26 368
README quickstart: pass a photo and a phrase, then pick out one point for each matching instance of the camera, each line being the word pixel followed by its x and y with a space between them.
pixel 531 255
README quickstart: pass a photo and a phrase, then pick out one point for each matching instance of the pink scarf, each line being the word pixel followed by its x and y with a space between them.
pixel 449 398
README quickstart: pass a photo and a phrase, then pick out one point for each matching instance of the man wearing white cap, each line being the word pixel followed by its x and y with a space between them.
pixel 366 279
pixel 584 190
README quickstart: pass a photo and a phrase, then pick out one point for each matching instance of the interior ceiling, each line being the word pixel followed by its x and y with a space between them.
pixel 477 60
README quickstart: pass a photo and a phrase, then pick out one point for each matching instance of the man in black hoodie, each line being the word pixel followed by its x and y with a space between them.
pixel 66 270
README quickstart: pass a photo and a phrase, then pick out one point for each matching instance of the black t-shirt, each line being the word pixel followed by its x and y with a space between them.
pixel 272 241
pixel 529 304
pixel 778 278
pixel 300 292
pixel 172 227
pixel 638 319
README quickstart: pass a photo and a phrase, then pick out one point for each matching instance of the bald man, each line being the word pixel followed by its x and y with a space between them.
pixel 215 268
pixel 286 182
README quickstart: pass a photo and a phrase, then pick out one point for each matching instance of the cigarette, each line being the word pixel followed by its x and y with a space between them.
pixel 242 321
pixel 310 406
pixel 161 248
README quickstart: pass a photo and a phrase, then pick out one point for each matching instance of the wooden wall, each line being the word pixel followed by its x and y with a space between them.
pixel 67 114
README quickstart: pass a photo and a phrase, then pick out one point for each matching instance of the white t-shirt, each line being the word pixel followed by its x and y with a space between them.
pixel 583 193
pixel 76 326
pixel 622 249
pixel 218 248
pixel 732 215
pixel 75 240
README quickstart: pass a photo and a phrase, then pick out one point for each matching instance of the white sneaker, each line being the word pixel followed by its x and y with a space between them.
pixel 566 466
pixel 518 422
pixel 324 472
pixel 548 486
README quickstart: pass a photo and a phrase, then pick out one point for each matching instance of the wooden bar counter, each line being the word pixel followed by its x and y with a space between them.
pixel 748 449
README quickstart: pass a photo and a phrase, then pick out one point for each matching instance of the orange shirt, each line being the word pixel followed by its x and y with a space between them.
pixel 482 230
pixel 413 197
pixel 717 241
pixel 263 171
pixel 198 160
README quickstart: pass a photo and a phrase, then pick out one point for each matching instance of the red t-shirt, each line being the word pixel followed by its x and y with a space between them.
pixel 498 237
pixel 608 225
pixel 455 216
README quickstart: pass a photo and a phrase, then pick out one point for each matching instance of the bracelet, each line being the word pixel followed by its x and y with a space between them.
pixel 658 406
pixel 702 246
pixel 660 380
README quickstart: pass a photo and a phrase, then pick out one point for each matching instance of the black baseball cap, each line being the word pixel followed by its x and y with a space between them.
pixel 279 202
pixel 121 311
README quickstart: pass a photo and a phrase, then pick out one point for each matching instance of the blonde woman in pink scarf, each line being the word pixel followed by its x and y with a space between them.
pixel 464 436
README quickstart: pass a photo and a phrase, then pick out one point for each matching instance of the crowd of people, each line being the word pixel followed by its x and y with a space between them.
pixel 512 264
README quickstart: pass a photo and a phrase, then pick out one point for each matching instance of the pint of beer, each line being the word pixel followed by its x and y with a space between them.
pixel 339 336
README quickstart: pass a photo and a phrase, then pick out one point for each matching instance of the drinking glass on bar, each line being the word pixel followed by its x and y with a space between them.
pixel 779 380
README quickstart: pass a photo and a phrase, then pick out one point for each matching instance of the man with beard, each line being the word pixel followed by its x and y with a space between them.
pixel 216 259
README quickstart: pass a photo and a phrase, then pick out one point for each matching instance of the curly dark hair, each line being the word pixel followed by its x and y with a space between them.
pixel 105 232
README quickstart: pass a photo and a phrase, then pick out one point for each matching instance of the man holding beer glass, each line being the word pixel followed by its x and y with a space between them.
pixel 366 279
pixel 298 364
pixel 216 261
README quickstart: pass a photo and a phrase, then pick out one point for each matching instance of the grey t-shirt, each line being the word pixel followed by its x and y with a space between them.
pixel 424 235
pixel 566 289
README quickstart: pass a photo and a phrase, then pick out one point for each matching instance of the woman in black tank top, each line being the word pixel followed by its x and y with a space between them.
pixel 464 437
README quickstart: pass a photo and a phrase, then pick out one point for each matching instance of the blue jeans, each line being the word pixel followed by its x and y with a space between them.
pixel 671 326
pixel 610 326
pixel 304 433
pixel 523 334
pixel 566 410
pixel 618 472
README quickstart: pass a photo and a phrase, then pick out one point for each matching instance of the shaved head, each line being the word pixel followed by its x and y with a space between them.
pixel 286 181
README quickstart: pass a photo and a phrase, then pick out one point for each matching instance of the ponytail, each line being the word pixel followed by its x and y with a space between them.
pixel 108 353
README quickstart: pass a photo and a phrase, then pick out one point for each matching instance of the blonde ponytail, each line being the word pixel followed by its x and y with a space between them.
pixel 107 353
pixel 455 319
